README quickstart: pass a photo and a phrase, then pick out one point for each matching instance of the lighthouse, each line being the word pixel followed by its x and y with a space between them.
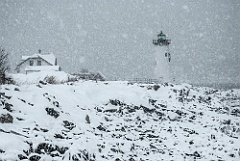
pixel 162 58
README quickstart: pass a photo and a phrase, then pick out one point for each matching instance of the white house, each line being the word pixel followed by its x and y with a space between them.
pixel 38 62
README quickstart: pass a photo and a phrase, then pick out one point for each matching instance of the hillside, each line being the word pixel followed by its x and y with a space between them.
pixel 118 121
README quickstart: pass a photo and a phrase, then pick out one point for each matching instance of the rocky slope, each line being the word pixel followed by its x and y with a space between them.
pixel 89 121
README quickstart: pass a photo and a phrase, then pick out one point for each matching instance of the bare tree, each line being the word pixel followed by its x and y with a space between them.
pixel 4 79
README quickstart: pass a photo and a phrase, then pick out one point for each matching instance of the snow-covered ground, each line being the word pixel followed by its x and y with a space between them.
pixel 118 121
pixel 33 78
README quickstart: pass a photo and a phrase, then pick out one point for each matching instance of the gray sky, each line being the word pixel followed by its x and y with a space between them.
pixel 115 36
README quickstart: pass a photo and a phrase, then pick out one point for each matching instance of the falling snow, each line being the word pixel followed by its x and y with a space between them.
pixel 119 34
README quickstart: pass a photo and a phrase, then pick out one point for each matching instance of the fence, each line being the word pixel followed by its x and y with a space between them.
pixel 143 80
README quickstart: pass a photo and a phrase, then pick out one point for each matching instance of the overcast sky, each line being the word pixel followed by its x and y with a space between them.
pixel 115 36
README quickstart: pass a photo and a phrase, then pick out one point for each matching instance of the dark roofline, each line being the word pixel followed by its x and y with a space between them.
pixel 33 58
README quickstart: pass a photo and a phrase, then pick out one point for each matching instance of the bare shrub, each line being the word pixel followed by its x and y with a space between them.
pixel 4 78
pixel 50 80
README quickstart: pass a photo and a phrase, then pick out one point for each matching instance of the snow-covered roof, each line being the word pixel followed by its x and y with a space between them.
pixel 41 68
pixel 100 73
pixel 50 57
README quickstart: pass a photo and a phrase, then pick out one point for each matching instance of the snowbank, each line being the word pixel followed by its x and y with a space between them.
pixel 34 78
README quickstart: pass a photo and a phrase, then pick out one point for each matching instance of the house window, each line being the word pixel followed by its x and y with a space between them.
pixel 31 62
pixel 39 63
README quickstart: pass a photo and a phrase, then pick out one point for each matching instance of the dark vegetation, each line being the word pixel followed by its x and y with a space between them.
pixel 4 78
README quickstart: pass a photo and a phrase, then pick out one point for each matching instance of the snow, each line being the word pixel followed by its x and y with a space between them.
pixel 186 8
pixel 110 120
pixel 50 57
pixel 35 77
pixel 42 68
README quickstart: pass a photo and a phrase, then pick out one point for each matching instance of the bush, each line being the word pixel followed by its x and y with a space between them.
pixel 156 87
pixel 50 80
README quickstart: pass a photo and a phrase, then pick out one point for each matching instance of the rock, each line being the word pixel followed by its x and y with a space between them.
pixel 42 82
pixel 232 155
pixel 22 100
pixel 59 136
pixel 49 148
pixel 76 157
pixel 21 157
pixel 56 103
pixel 8 97
pixel 16 89
pixel 35 158
pixel 190 131
pixel 191 142
pixel 156 87
pixel 61 150
pixel 68 125
pixel 147 110
pixel 196 154
pixel 2 94
pixel 123 129
pixel 6 118
pixel 52 112
pixel 44 148
pixel 44 130
pixel 152 101
pixel 31 104
pixel 213 136
pixel 114 150
pixel 131 159
pixel 152 136
pixel 8 107
pixel 227 122
pixel 39 86
pixel 116 102
pixel 101 128
pixel 2 151
pixel 235 112
pixel 83 155
pixel 87 119
pixel 111 110
pixel 131 110
pixel 180 113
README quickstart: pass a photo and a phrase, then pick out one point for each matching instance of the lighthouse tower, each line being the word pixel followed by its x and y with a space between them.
pixel 162 58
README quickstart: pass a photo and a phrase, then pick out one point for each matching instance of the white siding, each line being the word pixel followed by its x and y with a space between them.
pixel 27 63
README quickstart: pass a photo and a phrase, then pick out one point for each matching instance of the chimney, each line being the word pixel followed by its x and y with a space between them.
pixel 39 51
pixel 55 61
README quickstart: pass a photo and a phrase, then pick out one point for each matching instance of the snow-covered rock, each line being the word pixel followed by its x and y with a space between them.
pixel 118 121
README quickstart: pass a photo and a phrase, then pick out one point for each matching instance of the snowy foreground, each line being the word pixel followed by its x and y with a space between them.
pixel 118 121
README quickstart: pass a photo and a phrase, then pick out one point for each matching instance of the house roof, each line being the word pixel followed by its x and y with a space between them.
pixel 41 68
pixel 100 74
pixel 50 57
pixel 91 75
